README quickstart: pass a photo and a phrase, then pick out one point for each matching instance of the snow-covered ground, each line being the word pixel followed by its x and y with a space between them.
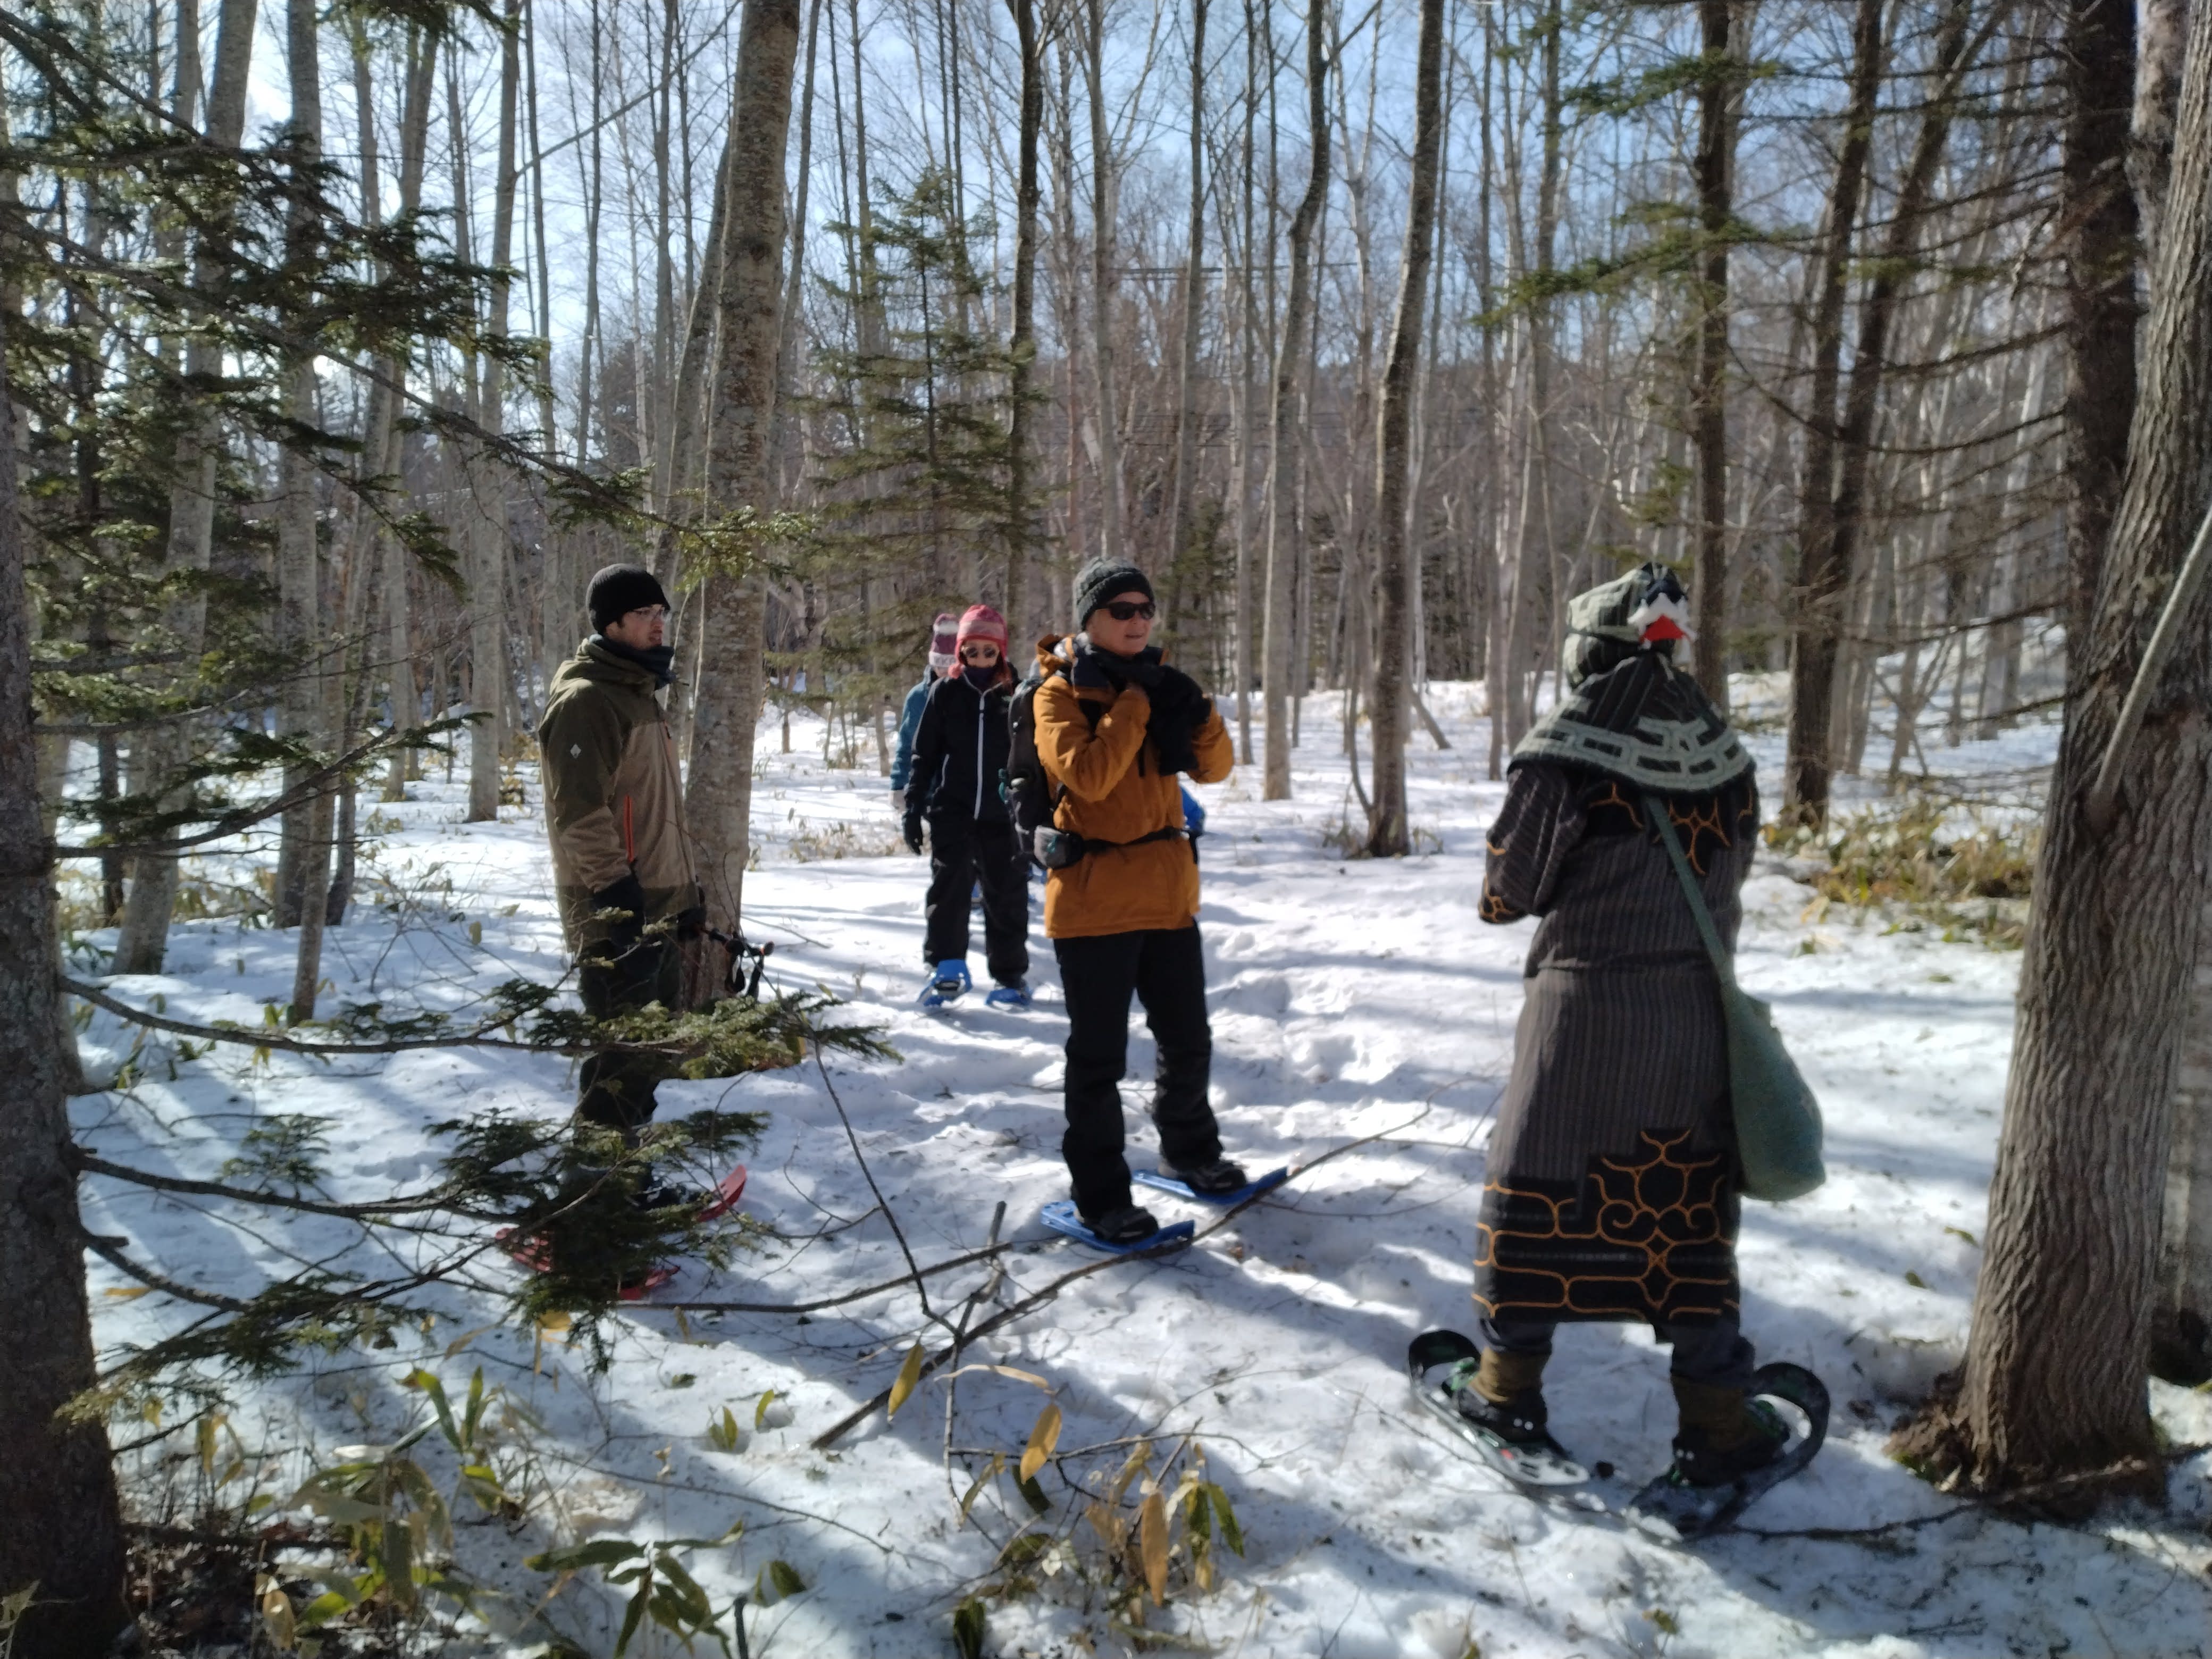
pixel 1351 1002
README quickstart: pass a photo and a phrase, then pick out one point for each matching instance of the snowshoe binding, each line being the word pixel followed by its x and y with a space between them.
pixel 948 983
pixel 1511 1438
pixel 1126 1232
pixel 1218 1182
pixel 1015 995
pixel 1705 1489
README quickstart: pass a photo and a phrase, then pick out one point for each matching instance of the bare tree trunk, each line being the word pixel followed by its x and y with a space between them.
pixel 398 648
pixel 1286 457
pixel 740 459
pixel 1194 296
pixel 1105 204
pixel 303 701
pixel 61 1525
pixel 1248 335
pixel 1020 534
pixel 1820 581
pixel 143 938
pixel 690 383
pixel 1394 651
pixel 2054 1381
pixel 488 671
pixel 1720 96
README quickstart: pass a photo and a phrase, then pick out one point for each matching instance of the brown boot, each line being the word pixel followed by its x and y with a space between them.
pixel 1724 1434
pixel 1504 1395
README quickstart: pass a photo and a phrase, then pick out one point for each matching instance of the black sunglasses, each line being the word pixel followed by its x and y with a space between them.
pixel 1121 610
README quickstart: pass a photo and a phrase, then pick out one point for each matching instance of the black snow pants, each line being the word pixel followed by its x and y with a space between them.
pixel 614 1088
pixel 1166 970
pixel 963 852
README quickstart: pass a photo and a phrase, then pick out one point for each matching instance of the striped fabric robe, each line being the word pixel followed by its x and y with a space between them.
pixel 1610 1191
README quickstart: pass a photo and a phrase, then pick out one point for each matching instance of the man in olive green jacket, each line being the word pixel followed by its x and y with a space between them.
pixel 614 809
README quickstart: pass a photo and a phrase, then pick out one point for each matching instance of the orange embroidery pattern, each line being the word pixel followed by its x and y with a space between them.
pixel 1649 1237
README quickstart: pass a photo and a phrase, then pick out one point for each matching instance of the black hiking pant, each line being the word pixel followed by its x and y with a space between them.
pixel 1166 970
pixel 1715 1352
pixel 963 852
pixel 614 1088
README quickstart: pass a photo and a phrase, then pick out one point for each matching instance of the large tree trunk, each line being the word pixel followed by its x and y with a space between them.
pixel 2098 61
pixel 398 648
pixel 740 459
pixel 61 1527
pixel 1018 533
pixel 144 939
pixel 1719 96
pixel 2054 1378
pixel 1285 450
pixel 1388 701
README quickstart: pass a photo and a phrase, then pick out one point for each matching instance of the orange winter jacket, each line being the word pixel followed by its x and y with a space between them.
pixel 1092 743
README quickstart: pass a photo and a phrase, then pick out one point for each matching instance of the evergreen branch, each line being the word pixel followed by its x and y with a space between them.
pixel 110 1250
pixel 405 1204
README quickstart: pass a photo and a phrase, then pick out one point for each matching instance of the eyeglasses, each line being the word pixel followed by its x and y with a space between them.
pixel 1122 610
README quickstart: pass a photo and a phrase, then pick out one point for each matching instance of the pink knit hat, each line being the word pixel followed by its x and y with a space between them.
pixel 944 642
pixel 984 625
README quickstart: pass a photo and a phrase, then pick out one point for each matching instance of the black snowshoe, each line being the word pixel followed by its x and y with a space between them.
pixel 1511 1438
pixel 1702 1493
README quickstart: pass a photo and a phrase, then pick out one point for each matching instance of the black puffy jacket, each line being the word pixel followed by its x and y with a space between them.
pixel 960 749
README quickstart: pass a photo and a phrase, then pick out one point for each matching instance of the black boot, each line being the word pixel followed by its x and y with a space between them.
pixel 1219 1176
pixel 1125 1225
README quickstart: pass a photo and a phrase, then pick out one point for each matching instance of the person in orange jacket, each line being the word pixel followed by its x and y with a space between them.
pixel 1116 724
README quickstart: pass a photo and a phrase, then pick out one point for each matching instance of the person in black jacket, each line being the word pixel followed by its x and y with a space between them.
pixel 956 784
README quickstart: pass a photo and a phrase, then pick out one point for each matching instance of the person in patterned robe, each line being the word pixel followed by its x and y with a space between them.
pixel 1610 1192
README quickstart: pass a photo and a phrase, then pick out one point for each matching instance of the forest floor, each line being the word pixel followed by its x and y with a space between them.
pixel 1352 1002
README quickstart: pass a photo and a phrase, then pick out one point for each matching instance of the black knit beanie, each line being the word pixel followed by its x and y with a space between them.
pixel 1101 580
pixel 620 589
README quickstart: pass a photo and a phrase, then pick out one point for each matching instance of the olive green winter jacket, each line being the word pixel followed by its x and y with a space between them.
pixel 614 801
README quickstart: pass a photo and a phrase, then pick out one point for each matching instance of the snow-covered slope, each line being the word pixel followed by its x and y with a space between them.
pixel 1351 1002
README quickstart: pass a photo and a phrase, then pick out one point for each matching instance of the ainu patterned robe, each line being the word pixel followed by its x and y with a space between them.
pixel 1610 1192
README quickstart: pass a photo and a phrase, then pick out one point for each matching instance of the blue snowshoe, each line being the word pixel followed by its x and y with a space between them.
pixel 1016 996
pixel 948 982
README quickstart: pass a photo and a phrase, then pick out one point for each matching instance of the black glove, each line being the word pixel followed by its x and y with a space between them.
pixel 691 923
pixel 913 831
pixel 1176 690
pixel 627 894
pixel 1145 669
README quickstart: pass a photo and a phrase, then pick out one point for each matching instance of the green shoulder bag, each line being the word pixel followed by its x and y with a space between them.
pixel 1777 1121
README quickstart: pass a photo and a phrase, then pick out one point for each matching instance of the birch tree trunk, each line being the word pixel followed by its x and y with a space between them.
pixel 1285 450
pixel 61 1524
pixel 1388 701
pixel 740 456
pixel 1247 334
pixel 398 648
pixel 2054 1380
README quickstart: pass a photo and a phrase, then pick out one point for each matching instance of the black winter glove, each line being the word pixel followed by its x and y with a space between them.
pixel 1176 690
pixel 627 894
pixel 913 831
pixel 691 923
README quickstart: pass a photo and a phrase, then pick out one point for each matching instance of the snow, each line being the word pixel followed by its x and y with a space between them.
pixel 1351 1002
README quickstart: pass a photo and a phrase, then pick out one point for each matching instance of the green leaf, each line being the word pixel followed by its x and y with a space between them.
pixel 638 1603
pixel 786 1578
pixel 967 1628
pixel 909 1375
pixel 1231 1534
pixel 574 1558
pixel 761 1405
